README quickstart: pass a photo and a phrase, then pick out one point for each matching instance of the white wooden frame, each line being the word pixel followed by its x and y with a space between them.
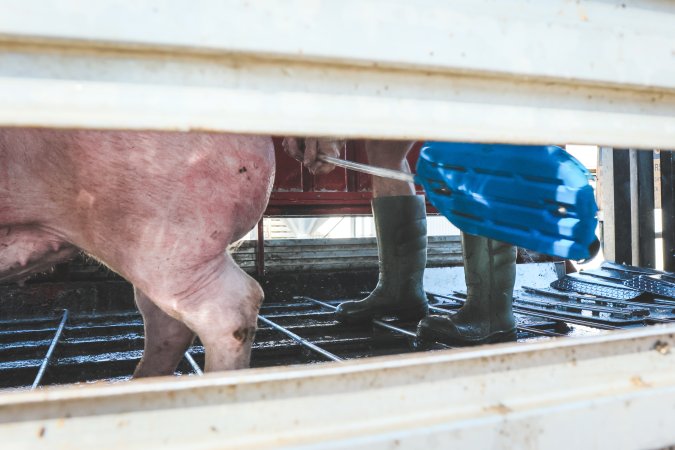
pixel 551 71
pixel 612 391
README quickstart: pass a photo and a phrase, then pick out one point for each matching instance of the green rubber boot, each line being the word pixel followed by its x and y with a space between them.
pixel 401 228
pixel 487 315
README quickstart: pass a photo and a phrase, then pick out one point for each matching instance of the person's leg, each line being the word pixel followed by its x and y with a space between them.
pixel 400 223
pixel 487 315
pixel 390 155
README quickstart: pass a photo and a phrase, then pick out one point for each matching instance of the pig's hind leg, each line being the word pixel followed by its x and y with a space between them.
pixel 166 339
pixel 223 311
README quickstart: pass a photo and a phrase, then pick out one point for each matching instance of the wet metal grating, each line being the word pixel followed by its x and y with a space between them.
pixel 70 348
pixel 108 346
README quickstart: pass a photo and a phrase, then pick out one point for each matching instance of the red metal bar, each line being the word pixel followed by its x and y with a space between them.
pixel 260 250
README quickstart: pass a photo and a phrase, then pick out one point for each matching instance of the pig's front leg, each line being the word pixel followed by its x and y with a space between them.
pixel 166 339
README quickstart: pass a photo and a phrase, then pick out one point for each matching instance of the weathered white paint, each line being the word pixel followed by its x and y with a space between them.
pixel 594 72
pixel 611 391
pixel 587 72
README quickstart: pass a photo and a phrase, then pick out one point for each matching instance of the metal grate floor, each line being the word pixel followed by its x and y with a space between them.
pixel 71 348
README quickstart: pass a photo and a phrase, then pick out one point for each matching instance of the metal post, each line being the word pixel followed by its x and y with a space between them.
pixel 626 180
pixel 644 208
pixel 621 205
pixel 668 208
pixel 260 249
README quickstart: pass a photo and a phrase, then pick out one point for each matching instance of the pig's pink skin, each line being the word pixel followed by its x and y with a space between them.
pixel 159 208
pixel 25 249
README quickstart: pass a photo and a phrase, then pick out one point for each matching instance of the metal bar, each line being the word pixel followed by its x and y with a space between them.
pixel 50 350
pixel 621 205
pixel 527 312
pixel 668 208
pixel 581 297
pixel 371 170
pixel 260 249
pixel 585 323
pixel 377 322
pixel 616 181
pixel 625 310
pixel 193 363
pixel 655 320
pixel 633 207
pixel 302 341
pixel 518 327
pixel 604 192
pixel 645 210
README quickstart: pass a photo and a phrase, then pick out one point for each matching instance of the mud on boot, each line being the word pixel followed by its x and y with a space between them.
pixel 401 229
pixel 487 315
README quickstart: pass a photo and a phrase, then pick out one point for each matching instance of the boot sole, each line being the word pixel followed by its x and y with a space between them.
pixel 494 338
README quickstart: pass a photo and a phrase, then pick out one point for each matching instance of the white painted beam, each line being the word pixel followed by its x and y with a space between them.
pixel 596 72
pixel 611 391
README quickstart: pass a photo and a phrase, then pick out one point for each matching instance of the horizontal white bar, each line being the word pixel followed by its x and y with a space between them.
pixel 606 42
pixel 553 71
pixel 612 391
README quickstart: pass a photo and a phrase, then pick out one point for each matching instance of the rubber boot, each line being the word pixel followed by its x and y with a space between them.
pixel 401 228
pixel 487 315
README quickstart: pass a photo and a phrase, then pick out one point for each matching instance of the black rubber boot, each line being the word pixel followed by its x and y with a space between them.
pixel 487 315
pixel 401 228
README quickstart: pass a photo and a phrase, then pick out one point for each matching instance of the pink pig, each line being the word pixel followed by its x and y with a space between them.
pixel 160 209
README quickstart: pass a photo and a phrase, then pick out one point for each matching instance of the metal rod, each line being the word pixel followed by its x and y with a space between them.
pixel 301 341
pixel 655 320
pixel 584 323
pixel 260 249
pixel 625 308
pixel 518 327
pixel 193 363
pixel 527 312
pixel 372 170
pixel 377 322
pixel 50 350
